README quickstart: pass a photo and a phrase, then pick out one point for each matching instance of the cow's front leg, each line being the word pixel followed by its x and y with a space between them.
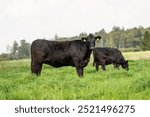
pixel 79 67
pixel 79 71
pixel 36 68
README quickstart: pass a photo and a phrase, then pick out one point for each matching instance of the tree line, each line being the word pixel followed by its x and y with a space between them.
pixel 133 39
pixel 17 51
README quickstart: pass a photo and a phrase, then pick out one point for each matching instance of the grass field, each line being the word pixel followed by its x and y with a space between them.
pixel 16 81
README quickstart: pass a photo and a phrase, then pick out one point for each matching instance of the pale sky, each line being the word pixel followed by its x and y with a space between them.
pixel 32 19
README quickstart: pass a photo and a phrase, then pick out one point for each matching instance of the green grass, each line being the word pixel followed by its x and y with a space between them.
pixel 17 83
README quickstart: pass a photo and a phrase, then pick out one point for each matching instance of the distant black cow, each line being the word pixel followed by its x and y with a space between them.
pixel 65 53
pixel 105 56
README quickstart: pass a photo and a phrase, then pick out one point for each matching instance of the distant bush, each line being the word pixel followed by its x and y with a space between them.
pixel 3 57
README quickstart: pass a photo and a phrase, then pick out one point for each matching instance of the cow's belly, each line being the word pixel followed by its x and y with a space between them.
pixel 107 62
pixel 60 62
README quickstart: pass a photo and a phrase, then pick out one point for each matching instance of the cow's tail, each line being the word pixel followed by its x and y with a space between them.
pixel 32 60
pixel 31 64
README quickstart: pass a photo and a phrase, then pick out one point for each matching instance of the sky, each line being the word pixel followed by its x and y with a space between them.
pixel 33 19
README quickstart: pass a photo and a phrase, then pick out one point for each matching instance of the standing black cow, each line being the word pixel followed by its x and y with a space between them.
pixel 66 53
pixel 105 56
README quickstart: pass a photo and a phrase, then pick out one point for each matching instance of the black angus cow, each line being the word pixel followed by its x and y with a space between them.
pixel 106 56
pixel 65 53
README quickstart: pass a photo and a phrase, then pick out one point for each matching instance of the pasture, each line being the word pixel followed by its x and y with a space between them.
pixel 17 82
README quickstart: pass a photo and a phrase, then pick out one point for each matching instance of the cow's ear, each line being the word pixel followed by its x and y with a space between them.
pixel 98 37
pixel 84 39
pixel 127 61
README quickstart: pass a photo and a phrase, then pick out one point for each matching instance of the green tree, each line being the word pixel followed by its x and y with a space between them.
pixel 24 49
pixel 137 35
pixel 14 50
pixel 145 42
pixel 116 36
pixel 102 42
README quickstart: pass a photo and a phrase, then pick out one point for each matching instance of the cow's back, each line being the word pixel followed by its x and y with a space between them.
pixel 103 52
pixel 112 54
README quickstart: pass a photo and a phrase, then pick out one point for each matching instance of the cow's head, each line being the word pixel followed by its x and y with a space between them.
pixel 125 65
pixel 90 40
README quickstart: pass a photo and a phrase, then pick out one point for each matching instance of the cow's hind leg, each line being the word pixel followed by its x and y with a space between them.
pixel 97 66
pixel 36 68
pixel 103 67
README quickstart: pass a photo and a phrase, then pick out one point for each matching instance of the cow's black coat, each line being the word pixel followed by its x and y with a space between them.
pixel 105 56
pixel 65 53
